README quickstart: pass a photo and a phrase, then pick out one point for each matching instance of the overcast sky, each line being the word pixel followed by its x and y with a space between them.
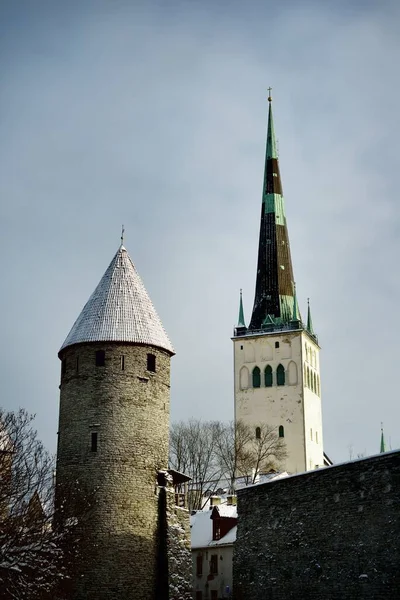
pixel 153 114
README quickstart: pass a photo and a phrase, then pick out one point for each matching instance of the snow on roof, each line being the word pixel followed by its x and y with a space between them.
pixel 226 510
pixel 119 310
pixel 201 528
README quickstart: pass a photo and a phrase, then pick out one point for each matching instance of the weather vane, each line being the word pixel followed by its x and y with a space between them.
pixel 122 235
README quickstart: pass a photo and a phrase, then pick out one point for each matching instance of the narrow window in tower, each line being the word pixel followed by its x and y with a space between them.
pixel 100 358
pixel 122 363
pixel 258 433
pixel 93 445
pixel 281 431
pixel 276 344
pixel 256 377
pixel 151 363
pixel 63 367
pixel 280 375
pixel 268 376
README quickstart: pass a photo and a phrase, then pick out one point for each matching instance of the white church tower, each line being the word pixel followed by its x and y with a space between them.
pixel 276 358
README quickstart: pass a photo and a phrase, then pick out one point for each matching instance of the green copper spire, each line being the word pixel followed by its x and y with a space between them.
pixel 271 140
pixel 310 327
pixel 274 283
pixel 383 445
pixel 241 322
pixel 294 316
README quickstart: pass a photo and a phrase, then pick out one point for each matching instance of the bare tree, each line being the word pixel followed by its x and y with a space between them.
pixel 34 554
pixel 214 454
pixel 192 451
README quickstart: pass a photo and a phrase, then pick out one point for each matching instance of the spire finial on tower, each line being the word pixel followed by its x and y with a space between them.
pixel 122 235
pixel 294 314
pixel 241 322
pixel 310 327
pixel 383 445
pixel 269 94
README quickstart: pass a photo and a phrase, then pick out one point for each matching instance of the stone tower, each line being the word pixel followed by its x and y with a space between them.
pixel 114 432
pixel 276 359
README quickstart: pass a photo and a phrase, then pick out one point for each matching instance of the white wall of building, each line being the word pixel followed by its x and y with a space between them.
pixel 294 405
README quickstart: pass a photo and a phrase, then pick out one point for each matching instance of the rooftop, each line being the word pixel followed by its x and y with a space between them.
pixel 119 310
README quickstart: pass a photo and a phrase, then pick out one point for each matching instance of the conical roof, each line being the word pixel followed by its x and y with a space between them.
pixel 119 310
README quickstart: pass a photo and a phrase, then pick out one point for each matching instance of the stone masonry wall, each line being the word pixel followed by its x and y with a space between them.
pixel 331 534
pixel 128 407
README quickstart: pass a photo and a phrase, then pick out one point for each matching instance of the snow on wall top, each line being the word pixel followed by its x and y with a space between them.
pixel 119 310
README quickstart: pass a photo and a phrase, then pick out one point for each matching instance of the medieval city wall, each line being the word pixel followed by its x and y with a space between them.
pixel 329 534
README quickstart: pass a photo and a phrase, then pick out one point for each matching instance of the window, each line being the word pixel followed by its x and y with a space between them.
pixel 151 363
pixel 100 358
pixel 122 363
pixel 276 344
pixel 63 367
pixel 241 347
pixel 281 431
pixel 258 433
pixel 214 564
pixel 199 565
pixel 305 376
pixel 256 377
pixel 268 376
pixel 93 446
pixel 315 383
pixel 280 375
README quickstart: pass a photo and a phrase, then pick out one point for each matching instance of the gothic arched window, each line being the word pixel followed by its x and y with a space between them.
pixel 280 375
pixel 281 431
pixel 268 376
pixel 258 433
pixel 256 377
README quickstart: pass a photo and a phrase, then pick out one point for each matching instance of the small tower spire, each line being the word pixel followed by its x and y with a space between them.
pixel 241 322
pixel 310 327
pixel 294 316
pixel 122 235
pixel 383 445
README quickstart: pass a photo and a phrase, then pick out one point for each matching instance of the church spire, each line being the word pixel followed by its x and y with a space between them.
pixel 274 285
pixel 383 445
pixel 310 327
pixel 241 322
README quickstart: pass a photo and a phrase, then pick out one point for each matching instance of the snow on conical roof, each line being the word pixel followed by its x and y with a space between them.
pixel 119 310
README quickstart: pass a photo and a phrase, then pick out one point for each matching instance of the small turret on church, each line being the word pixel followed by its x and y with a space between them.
pixel 276 358
pixel 114 434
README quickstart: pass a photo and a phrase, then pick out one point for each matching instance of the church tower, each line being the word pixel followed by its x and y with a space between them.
pixel 113 434
pixel 276 358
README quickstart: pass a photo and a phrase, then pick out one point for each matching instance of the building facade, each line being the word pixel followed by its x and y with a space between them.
pixel 113 440
pixel 276 358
